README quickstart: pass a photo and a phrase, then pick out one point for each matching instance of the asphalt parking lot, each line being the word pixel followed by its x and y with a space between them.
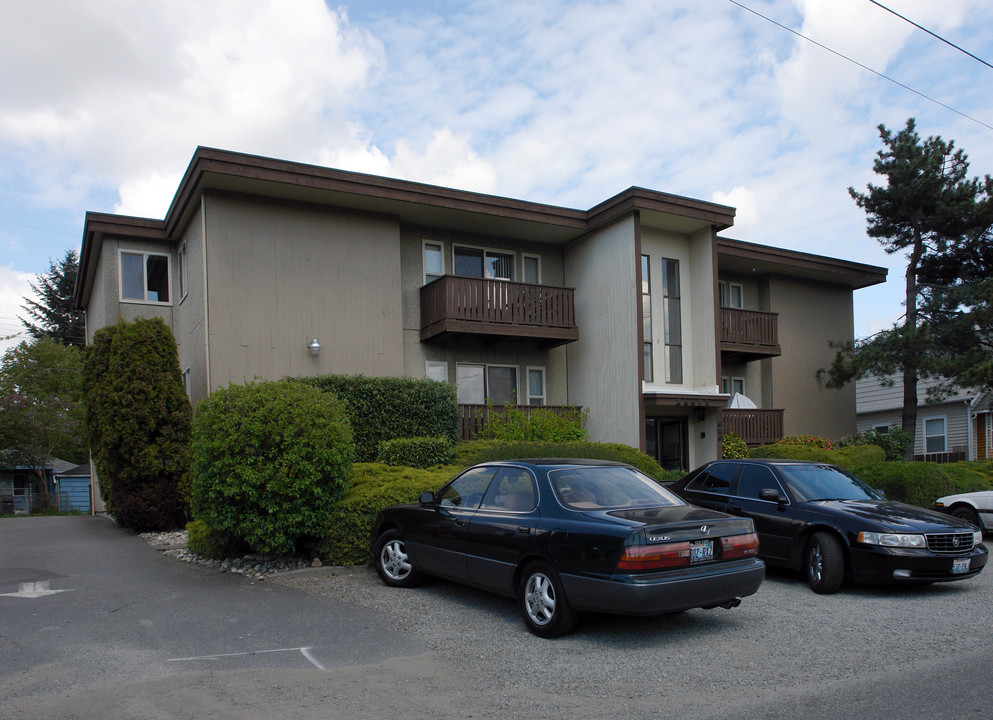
pixel 138 634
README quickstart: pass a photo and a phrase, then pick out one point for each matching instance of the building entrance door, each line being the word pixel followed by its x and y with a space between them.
pixel 666 441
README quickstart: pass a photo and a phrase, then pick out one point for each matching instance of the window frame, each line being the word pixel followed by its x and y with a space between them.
pixel 925 437
pixel 145 255
pixel 486 381
pixel 524 260
pixel 672 319
pixel 437 365
pixel 648 343
pixel 182 260
pixel 424 260
pixel 486 251
pixel 544 388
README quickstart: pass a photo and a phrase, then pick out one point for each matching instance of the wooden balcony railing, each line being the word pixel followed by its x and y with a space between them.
pixel 473 417
pixel 455 305
pixel 750 332
pixel 755 427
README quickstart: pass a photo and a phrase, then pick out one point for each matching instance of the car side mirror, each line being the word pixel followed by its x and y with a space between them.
pixel 882 493
pixel 427 498
pixel 771 495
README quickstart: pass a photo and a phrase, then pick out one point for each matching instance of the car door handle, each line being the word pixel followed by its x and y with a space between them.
pixel 459 521
pixel 524 530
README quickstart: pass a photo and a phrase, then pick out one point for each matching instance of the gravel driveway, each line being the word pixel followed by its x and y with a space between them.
pixel 784 644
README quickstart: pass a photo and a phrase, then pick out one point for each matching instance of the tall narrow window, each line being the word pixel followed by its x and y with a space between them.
pixel 532 269
pixel 144 277
pixel 673 322
pixel 646 317
pixel 536 386
pixel 184 272
pixel 934 435
pixel 434 263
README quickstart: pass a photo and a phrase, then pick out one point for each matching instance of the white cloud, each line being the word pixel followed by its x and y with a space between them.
pixel 743 200
pixel 13 289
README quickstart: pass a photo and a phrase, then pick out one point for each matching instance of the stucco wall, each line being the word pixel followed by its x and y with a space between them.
pixel 280 274
pixel 191 322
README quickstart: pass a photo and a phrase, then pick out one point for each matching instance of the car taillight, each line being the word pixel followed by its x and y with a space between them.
pixel 654 557
pixel 738 546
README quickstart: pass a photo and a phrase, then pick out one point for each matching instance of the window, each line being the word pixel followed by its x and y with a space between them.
pixel 473 262
pixel 754 479
pixel 188 383
pixel 434 262
pixel 478 383
pixel 646 316
pixel 732 295
pixel 144 277
pixel 184 272
pixel 715 479
pixel 536 386
pixel 512 489
pixel 532 269
pixel 934 435
pixel 436 370
pixel 673 321
pixel 466 491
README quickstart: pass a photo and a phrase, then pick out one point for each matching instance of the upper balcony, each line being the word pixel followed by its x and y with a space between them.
pixel 499 309
pixel 751 334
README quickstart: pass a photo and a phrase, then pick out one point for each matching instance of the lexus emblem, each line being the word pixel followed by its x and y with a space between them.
pixel 956 541
pixel 705 530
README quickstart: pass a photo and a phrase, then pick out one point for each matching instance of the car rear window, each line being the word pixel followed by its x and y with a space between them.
pixel 608 488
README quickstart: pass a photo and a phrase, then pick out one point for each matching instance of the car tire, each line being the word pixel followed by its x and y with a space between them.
pixel 392 563
pixel 824 563
pixel 967 514
pixel 542 602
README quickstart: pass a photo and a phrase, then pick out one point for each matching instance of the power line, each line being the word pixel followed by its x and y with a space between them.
pixel 864 67
pixel 935 35
pixel 35 227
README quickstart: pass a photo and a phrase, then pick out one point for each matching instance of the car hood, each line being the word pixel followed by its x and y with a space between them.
pixel 892 516
pixel 677 521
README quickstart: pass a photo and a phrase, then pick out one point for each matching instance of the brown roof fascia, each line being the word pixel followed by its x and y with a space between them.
pixel 863 275
pixel 637 198
pixel 98 225
pixel 208 161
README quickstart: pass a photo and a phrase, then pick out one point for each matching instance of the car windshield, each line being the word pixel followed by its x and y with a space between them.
pixel 824 482
pixel 608 488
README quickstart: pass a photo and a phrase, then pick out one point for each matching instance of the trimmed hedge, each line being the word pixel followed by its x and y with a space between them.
pixel 419 452
pixel 138 422
pixel 209 543
pixel 477 451
pixel 850 458
pixel 915 483
pixel 270 460
pixel 389 408
pixel 374 486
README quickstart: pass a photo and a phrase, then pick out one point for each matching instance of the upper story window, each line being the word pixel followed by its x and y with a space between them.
pixel 434 262
pixel 144 277
pixel 475 262
pixel 646 317
pixel 671 316
pixel 732 295
pixel 532 269
pixel 184 272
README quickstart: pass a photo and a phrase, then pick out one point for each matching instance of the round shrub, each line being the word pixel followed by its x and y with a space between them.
pixel 270 459
pixel 733 447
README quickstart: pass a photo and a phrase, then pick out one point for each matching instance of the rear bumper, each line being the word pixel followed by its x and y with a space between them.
pixel 872 564
pixel 659 593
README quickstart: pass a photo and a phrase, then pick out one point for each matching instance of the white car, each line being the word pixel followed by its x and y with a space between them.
pixel 976 507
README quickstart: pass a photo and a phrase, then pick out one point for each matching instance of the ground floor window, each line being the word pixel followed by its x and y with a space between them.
pixel 666 439
pixel 536 386
pixel 934 435
pixel 475 384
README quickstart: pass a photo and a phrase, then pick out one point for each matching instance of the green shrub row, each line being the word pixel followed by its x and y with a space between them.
pixel 419 452
pixel 536 424
pixel 395 407
pixel 374 486
pixel 477 451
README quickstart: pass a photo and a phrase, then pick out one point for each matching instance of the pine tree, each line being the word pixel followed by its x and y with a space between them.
pixel 52 314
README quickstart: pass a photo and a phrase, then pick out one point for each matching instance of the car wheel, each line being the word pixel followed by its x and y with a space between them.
pixel 825 563
pixel 968 514
pixel 543 603
pixel 392 563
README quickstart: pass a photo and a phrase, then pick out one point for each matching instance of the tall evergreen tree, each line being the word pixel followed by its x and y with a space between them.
pixel 927 208
pixel 52 315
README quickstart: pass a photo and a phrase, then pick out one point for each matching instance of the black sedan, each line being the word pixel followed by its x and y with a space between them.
pixel 823 520
pixel 565 536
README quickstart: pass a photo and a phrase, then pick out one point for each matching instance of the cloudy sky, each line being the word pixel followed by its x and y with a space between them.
pixel 102 104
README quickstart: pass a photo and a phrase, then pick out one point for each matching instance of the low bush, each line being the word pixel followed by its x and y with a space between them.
pixel 419 452
pixel 894 441
pixel 806 441
pixel 536 424
pixel 209 543
pixel 733 447
pixel 477 451
pixel 373 487
pixel 915 483
pixel 270 460
pixel 851 458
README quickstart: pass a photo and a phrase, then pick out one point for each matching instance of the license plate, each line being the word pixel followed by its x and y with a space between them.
pixel 702 550
pixel 960 566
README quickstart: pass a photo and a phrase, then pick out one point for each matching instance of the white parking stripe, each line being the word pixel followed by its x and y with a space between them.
pixel 305 651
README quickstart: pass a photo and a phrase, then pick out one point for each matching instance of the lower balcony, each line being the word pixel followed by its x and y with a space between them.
pixel 472 418
pixel 755 427
pixel 453 306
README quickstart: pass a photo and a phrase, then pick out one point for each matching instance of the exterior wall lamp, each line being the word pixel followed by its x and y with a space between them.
pixel 314 347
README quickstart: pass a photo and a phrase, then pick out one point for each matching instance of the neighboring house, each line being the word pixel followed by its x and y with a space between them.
pixel 956 428
pixel 17 486
pixel 268 268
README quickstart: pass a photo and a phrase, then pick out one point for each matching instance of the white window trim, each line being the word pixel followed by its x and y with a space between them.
pixel 544 387
pixel 485 250
pixel 486 367
pixel 524 259
pixel 144 264
pixel 424 266
pixel 437 365
pixel 184 271
pixel 925 436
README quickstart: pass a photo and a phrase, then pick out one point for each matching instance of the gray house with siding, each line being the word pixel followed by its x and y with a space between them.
pixel 634 309
pixel 957 427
